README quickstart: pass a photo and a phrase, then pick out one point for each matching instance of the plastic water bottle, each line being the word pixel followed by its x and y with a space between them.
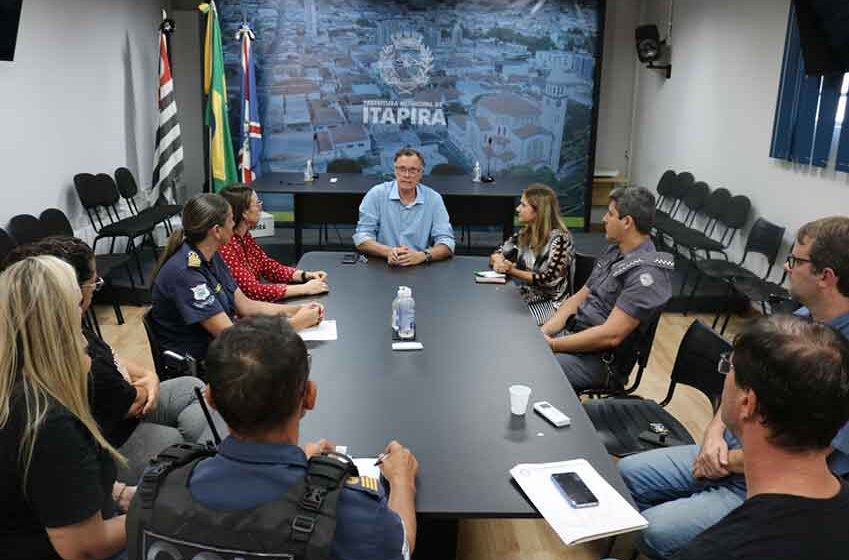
pixel 308 172
pixel 476 172
pixel 407 315
pixel 394 320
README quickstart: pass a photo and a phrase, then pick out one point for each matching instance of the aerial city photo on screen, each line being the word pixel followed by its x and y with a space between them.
pixel 353 81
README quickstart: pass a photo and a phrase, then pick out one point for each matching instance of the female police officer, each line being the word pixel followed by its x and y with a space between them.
pixel 194 297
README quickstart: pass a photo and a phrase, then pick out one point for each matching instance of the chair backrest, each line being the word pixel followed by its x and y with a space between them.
pixel 107 190
pixel 7 244
pixel 683 182
pixel 635 350
pixel 26 229
pixel 666 183
pixel 55 222
pixel 582 267
pixel 86 186
pixel 155 349
pixel 344 165
pixel 765 238
pixel 696 363
pixel 695 197
pixel 716 203
pixel 446 169
pixel 126 183
pixel 736 212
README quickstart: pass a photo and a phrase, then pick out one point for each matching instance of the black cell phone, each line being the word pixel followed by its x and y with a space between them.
pixel 662 439
pixel 574 490
pixel 349 258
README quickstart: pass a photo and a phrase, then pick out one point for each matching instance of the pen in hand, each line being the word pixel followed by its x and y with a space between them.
pixel 380 459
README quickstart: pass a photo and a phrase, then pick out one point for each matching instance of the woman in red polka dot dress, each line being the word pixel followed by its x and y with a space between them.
pixel 249 264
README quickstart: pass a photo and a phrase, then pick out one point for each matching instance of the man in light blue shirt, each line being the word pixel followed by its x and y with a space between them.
pixel 403 221
pixel 686 489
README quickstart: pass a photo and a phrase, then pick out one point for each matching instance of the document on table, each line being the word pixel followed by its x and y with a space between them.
pixel 613 514
pixel 326 330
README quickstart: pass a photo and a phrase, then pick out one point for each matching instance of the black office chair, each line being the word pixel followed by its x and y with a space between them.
pixel 26 229
pixel 99 196
pixel 156 214
pixel 620 362
pixel 619 421
pixel 664 185
pixel 765 238
pixel 153 341
pixel 55 222
pixel 582 269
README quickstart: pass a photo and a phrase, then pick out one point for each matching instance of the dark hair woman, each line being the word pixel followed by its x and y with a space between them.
pixel 194 296
pixel 541 254
pixel 249 264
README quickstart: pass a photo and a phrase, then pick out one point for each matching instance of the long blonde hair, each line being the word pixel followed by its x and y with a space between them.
pixel 543 200
pixel 41 341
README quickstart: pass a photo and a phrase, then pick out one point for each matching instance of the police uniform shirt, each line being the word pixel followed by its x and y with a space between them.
pixel 188 290
pixel 262 472
pixel 633 282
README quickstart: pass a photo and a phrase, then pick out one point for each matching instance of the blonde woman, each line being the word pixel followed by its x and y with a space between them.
pixel 540 255
pixel 57 471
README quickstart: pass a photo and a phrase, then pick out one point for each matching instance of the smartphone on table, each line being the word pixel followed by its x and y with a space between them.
pixel 574 490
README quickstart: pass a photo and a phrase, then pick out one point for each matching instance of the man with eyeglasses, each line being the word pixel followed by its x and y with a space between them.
pixel 686 489
pixel 403 221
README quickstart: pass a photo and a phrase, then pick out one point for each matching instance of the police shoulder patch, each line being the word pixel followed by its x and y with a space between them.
pixel 646 279
pixel 193 260
pixel 200 292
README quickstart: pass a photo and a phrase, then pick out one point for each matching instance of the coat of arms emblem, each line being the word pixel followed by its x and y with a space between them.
pixel 405 62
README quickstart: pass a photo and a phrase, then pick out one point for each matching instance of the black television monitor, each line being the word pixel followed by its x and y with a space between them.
pixel 10 15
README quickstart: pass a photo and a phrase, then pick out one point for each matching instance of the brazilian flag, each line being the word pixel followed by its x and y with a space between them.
pixel 221 160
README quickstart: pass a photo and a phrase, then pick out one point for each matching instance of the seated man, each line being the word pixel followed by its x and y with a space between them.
pixel 400 219
pixel 684 490
pixel 626 291
pixel 258 380
pixel 786 395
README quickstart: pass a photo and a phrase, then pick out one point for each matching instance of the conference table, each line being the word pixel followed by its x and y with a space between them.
pixel 337 202
pixel 449 401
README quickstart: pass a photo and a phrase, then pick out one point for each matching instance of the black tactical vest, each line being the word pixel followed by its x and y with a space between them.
pixel 165 523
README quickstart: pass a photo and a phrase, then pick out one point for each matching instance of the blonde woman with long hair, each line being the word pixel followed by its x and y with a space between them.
pixel 57 471
pixel 540 255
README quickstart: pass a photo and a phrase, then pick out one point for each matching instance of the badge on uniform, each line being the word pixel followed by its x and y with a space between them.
pixel 193 260
pixel 646 279
pixel 218 287
pixel 201 292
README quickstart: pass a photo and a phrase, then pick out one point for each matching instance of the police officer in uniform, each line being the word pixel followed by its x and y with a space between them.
pixel 626 291
pixel 258 380
pixel 194 296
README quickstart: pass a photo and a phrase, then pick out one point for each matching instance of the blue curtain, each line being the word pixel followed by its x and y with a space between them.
pixel 803 128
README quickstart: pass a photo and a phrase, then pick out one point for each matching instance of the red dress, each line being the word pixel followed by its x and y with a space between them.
pixel 248 264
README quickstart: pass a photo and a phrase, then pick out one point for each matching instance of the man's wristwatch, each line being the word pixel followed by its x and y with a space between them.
pixel 428 256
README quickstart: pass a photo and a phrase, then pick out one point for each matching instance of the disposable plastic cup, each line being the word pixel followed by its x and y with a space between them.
pixel 519 396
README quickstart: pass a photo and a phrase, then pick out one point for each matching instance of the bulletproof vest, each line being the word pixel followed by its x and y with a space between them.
pixel 165 523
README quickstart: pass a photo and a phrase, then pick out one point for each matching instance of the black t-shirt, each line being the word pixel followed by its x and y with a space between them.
pixel 778 527
pixel 70 479
pixel 111 396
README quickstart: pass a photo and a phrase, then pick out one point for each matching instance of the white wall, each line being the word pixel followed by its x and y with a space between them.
pixel 714 116
pixel 186 52
pixel 79 97
pixel 616 102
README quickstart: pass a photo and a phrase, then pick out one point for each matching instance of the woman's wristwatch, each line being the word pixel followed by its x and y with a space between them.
pixel 304 276
pixel 428 256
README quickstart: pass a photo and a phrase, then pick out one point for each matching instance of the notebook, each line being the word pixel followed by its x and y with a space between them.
pixel 613 514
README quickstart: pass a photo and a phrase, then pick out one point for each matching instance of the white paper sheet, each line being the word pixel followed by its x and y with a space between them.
pixel 612 515
pixel 326 330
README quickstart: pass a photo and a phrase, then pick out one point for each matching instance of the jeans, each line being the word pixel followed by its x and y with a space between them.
pixel 677 506
pixel 178 417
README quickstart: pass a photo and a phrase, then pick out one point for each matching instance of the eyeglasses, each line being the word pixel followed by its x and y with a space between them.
pixel 792 261
pixel 408 170
pixel 98 283
pixel 724 366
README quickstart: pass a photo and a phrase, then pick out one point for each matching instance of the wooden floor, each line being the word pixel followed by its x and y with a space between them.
pixel 506 539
